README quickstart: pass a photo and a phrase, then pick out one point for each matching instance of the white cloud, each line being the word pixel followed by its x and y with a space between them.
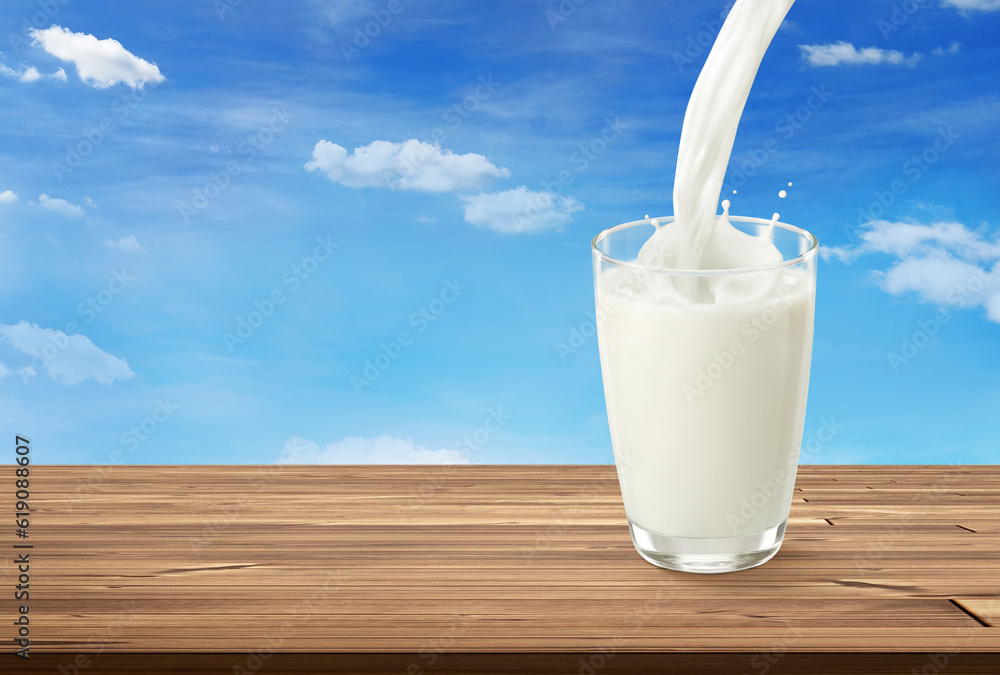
pixel 69 359
pixel 839 53
pixel 355 450
pixel 30 73
pixel 972 5
pixel 129 243
pixel 60 206
pixel 4 371
pixel 953 48
pixel 944 263
pixel 520 210
pixel 100 63
pixel 89 202
pixel 426 220
pixel 8 197
pixel 410 165
pixel 903 240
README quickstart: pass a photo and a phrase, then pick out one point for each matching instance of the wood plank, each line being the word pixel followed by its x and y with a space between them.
pixel 514 562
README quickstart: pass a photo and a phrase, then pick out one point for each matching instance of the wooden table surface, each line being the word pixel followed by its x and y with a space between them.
pixel 493 569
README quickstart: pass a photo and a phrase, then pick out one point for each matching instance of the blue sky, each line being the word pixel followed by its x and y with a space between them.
pixel 220 176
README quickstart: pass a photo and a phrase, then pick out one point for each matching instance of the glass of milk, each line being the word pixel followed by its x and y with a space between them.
pixel 705 378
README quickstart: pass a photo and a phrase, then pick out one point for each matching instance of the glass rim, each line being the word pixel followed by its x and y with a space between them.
pixel 791 262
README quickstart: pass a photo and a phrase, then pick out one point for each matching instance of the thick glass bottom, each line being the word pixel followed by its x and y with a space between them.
pixel 707 556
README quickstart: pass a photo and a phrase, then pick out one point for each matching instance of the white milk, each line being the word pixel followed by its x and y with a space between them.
pixel 670 367
pixel 706 377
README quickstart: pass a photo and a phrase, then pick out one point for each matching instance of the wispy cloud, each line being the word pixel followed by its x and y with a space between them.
pixel 975 115
pixel 965 6
pixel 69 359
pixel 953 48
pixel 839 53
pixel 902 239
pixel 99 63
pixel 355 450
pixel 520 210
pixel 129 243
pixel 30 73
pixel 8 197
pixel 944 263
pixel 340 13
pixel 60 206
pixel 410 165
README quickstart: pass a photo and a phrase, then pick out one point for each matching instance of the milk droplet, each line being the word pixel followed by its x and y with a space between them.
pixel 734 191
pixel 725 207
pixel 789 184
pixel 782 194
pixel 655 222
pixel 646 216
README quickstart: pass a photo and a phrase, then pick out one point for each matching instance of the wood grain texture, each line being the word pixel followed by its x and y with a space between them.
pixel 436 564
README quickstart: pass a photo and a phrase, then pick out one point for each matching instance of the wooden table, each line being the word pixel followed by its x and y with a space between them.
pixel 289 569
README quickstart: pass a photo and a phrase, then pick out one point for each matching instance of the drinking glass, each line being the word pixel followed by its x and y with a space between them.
pixel 706 399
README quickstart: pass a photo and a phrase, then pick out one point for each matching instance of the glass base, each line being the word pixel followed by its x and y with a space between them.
pixel 707 556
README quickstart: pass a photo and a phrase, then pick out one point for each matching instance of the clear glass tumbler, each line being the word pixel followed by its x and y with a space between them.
pixel 706 401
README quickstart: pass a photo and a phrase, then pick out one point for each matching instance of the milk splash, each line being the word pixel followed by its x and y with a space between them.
pixel 698 239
